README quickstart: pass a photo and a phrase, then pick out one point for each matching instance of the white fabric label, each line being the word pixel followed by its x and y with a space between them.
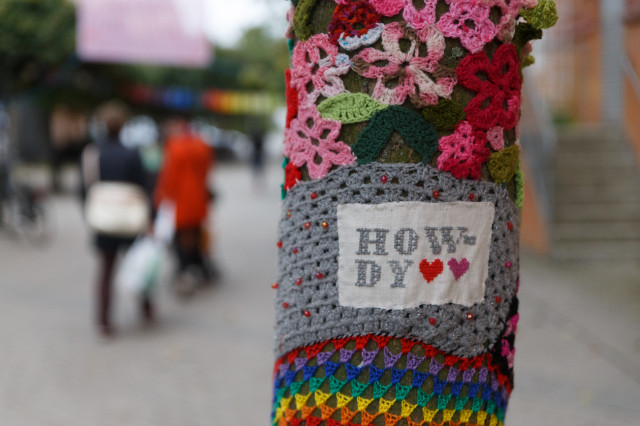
pixel 406 254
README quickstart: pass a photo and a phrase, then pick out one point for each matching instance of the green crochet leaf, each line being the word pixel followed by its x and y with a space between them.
pixel 503 164
pixel 544 15
pixel 350 108
pixel 416 132
pixel 445 115
pixel 526 32
pixel 302 18
pixel 519 181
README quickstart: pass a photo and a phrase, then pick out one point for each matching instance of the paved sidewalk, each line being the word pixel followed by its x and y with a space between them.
pixel 208 362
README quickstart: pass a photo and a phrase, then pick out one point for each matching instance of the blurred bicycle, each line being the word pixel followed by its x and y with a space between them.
pixel 24 210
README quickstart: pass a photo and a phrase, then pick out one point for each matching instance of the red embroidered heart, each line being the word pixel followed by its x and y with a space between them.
pixel 431 270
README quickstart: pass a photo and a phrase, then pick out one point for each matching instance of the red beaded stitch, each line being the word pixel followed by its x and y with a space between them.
pixel 279 244
pixel 294 250
pixel 432 321
pixel 472 196
pixel 469 316
pixel 508 264
pixel 307 225
pixel 319 275
pixel 436 194
pixel 285 305
pixel 384 178
pixel 498 299
pixel 307 313
pixel 275 285
pixel 509 226
pixel 313 195
pixel 298 281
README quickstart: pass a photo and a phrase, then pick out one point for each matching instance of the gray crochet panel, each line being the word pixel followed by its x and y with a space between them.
pixel 308 250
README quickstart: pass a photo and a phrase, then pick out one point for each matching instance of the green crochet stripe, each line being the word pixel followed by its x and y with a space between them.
pixel 503 164
pixel 519 181
pixel 445 115
pixel 350 108
pixel 302 19
pixel 416 132
pixel 544 15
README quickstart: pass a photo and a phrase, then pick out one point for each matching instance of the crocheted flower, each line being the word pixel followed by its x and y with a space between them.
pixel 495 136
pixel 388 7
pixel 469 21
pixel 420 18
pixel 508 351
pixel 292 98
pixel 497 83
pixel 354 18
pixel 311 141
pixel 317 68
pixel 292 176
pixel 405 74
pixel 509 9
pixel 463 152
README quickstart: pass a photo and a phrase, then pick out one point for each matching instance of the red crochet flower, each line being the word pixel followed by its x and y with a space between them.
pixel 292 176
pixel 463 152
pixel 497 82
pixel 353 19
pixel 292 98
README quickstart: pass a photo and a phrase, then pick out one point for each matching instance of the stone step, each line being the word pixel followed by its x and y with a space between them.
pixel 598 176
pixel 597 231
pixel 595 160
pixel 579 250
pixel 585 194
pixel 596 212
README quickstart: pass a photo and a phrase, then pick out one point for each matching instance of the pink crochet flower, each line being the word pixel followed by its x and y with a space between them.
pixel 311 141
pixel 463 152
pixel 317 61
pixel 495 136
pixel 509 13
pixel 406 73
pixel 388 7
pixel 420 18
pixel 417 18
pixel 469 21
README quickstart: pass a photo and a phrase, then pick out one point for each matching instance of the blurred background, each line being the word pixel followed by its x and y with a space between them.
pixel 219 65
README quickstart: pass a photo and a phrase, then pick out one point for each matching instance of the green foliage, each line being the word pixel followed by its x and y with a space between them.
pixel 34 34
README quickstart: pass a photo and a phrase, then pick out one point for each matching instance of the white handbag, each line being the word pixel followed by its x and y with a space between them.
pixel 117 209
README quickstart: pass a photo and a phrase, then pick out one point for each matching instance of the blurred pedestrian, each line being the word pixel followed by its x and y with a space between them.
pixel 108 160
pixel 257 159
pixel 183 182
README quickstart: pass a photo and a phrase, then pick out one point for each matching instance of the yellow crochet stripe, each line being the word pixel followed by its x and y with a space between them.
pixel 284 414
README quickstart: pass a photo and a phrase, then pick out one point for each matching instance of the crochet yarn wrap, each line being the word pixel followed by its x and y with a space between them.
pixel 398 244
pixel 308 248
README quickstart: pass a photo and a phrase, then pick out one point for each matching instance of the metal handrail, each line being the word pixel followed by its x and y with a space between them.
pixel 631 73
pixel 539 147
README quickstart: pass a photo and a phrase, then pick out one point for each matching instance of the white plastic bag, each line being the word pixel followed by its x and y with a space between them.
pixel 141 266
pixel 165 225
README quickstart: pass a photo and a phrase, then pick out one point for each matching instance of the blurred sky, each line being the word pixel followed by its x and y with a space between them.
pixel 225 20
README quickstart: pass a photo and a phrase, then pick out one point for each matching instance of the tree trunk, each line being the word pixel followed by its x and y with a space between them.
pixel 398 265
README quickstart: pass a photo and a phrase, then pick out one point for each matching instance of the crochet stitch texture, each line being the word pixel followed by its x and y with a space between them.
pixel 391 103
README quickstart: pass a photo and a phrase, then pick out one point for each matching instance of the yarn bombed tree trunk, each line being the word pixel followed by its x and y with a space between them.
pixel 398 251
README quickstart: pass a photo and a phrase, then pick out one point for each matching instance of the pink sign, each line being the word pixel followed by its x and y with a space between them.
pixel 163 32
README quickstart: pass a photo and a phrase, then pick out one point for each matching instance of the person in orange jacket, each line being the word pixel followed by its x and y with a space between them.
pixel 183 181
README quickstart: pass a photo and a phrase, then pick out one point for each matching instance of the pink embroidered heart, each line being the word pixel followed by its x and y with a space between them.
pixel 431 270
pixel 458 268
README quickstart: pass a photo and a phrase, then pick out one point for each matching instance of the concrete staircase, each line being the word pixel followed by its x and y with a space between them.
pixel 596 210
